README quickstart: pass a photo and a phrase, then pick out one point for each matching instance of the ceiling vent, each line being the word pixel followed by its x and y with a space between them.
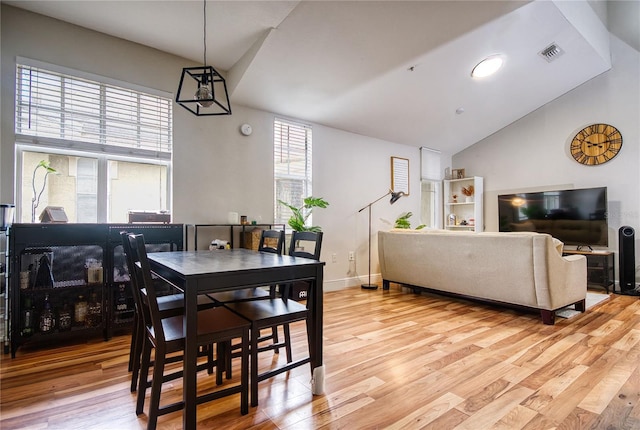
pixel 551 52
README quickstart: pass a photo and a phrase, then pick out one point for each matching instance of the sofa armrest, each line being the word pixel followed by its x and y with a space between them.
pixel 568 278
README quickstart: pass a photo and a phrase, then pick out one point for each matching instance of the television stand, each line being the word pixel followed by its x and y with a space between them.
pixel 600 267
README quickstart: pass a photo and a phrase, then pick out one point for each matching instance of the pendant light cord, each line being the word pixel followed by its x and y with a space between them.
pixel 205 32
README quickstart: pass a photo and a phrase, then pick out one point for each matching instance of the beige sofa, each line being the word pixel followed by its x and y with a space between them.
pixel 522 269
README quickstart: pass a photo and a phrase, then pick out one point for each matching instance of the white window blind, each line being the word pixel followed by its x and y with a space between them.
pixel 99 116
pixel 430 166
pixel 292 166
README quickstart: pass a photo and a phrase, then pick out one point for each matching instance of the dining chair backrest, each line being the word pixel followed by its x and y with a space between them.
pixel 143 272
pixel 269 238
pixel 304 238
pixel 136 283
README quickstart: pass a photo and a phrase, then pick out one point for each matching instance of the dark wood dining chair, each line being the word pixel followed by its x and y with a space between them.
pixel 305 244
pixel 275 312
pixel 169 305
pixel 216 326
pixel 271 241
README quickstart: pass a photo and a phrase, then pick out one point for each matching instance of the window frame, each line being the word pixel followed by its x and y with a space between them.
pixel 100 151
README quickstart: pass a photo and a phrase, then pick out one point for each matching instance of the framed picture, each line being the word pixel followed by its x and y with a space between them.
pixel 400 175
pixel 457 174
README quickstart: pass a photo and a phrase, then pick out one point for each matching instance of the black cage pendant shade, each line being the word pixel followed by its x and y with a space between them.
pixel 202 90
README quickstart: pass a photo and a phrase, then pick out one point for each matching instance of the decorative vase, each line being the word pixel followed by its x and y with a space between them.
pixel 468 199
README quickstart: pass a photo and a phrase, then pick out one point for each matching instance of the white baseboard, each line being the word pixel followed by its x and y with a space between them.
pixel 353 281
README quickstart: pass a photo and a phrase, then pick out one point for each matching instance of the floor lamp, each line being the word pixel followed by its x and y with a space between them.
pixel 395 196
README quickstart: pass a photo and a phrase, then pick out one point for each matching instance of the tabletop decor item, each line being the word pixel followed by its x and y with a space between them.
pixel 468 192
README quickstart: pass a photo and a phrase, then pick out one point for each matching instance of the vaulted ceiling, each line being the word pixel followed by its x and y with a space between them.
pixel 393 70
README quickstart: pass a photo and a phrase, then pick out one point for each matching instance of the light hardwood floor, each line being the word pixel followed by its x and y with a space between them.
pixel 393 360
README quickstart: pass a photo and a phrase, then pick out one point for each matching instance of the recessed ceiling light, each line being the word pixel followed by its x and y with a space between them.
pixel 487 67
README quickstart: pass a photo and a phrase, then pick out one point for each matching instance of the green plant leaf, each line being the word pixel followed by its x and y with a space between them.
pixel 299 216
pixel 47 166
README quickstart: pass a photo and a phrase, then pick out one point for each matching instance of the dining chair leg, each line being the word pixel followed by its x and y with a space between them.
pixel 132 348
pixel 253 349
pixel 287 340
pixel 274 334
pixel 156 388
pixel 143 380
pixel 223 358
pixel 227 360
pixel 244 376
pixel 137 339
pixel 210 363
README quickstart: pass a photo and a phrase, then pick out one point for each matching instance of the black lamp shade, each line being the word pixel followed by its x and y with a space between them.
pixel 395 196
pixel 203 91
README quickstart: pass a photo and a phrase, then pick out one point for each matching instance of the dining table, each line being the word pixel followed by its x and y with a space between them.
pixel 201 272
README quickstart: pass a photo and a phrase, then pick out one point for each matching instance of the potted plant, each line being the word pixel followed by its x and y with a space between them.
pixel 403 221
pixel 35 200
pixel 299 215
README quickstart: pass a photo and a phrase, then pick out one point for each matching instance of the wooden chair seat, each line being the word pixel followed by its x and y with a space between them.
pixel 216 320
pixel 240 295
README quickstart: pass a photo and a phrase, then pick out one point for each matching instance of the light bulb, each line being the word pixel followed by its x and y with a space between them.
pixel 204 93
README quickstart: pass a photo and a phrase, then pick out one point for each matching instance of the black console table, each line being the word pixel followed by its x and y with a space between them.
pixel 83 303
pixel 600 268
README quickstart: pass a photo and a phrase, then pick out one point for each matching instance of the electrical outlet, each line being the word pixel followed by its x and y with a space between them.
pixel 334 258
pixel 352 256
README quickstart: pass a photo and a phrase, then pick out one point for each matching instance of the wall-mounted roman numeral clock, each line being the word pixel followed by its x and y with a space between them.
pixel 596 144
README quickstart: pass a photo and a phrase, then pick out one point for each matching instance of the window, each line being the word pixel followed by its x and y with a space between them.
pixel 110 145
pixel 292 166
pixel 87 190
pixel 430 188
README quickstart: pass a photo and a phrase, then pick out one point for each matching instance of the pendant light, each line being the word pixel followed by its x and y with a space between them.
pixel 202 90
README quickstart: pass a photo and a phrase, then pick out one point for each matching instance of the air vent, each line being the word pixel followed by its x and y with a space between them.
pixel 551 52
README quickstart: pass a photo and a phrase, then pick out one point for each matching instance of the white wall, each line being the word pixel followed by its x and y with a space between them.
pixel 533 152
pixel 215 168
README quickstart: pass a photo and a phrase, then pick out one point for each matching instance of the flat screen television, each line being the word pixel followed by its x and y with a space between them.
pixel 576 217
